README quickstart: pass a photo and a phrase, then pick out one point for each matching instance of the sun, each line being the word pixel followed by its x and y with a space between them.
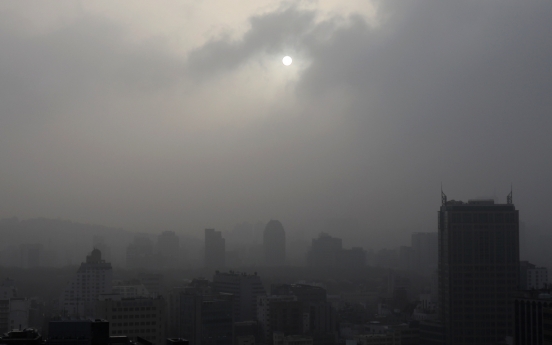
pixel 287 60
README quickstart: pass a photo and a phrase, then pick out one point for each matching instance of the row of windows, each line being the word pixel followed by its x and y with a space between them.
pixel 134 309
pixel 134 316
pixel 122 324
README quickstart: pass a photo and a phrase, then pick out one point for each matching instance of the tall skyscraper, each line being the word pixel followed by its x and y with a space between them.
pixel 215 249
pixel 274 243
pixel 325 251
pixel 478 270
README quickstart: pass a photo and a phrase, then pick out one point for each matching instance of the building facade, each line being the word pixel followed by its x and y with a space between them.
pixel 94 277
pixel 245 288
pixel 478 270
pixel 134 317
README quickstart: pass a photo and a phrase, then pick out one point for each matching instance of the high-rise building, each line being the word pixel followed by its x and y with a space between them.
pixel 215 249
pixel 245 288
pixel 478 270
pixel 274 244
pixel 94 277
pixel 139 253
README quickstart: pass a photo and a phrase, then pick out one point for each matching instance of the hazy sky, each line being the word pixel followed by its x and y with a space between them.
pixel 180 115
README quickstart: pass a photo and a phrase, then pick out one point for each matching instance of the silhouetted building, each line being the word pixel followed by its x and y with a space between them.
pixel 201 316
pixel 245 288
pixel 78 332
pixel 279 314
pixel 215 249
pixel 325 251
pixel 246 333
pixel 139 253
pixel 94 277
pixel 168 245
pixel 425 247
pixel 478 270
pixel 319 317
pixel 353 258
pixel 274 244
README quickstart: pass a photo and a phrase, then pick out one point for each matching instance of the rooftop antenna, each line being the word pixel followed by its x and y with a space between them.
pixel 509 199
pixel 443 196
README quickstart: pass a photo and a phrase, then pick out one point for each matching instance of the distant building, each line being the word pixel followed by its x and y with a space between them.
pixel 134 317
pixel 131 289
pixel 8 289
pixel 139 253
pixel 532 277
pixel 245 288
pixel 478 270
pixel 94 277
pixel 168 246
pixel 201 316
pixel 215 249
pixel 424 250
pixel 325 251
pixel 274 244
pixel 319 317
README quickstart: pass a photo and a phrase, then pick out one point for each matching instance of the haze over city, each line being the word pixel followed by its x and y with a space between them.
pixel 180 116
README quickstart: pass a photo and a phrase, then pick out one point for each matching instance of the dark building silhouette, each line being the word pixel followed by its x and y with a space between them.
pixel 478 270
pixel 78 332
pixel 168 246
pixel 139 253
pixel 325 251
pixel 274 244
pixel 215 249
pixel 200 315
pixel 245 288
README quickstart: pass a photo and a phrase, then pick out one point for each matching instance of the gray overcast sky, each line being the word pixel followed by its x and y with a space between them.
pixel 180 114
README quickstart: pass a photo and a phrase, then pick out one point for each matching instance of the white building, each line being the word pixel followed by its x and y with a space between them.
pixel 94 277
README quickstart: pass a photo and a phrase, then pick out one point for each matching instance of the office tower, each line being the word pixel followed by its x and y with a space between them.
pixel 142 317
pixel 325 251
pixel 215 249
pixel 478 270
pixel 245 288
pixel 94 277
pixel 274 244
pixel 424 246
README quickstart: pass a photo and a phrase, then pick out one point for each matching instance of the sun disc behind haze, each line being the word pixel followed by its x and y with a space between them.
pixel 287 60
